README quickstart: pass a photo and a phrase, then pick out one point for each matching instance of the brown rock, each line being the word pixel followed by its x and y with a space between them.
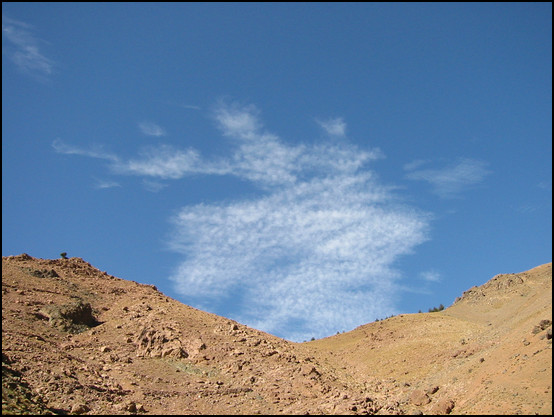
pixel 432 390
pixel 160 341
pixel 79 408
pixel 419 397
pixel 443 406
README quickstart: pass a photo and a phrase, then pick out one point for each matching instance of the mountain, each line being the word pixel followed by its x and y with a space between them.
pixel 78 340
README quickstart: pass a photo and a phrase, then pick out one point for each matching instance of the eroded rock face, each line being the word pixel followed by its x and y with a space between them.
pixel 43 273
pixel 194 346
pixel 160 342
pixel 74 317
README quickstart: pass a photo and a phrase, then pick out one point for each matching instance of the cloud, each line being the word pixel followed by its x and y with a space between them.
pixel 452 180
pixel 237 121
pixel 22 48
pixel 318 254
pixel 333 127
pixel 153 186
pixel 103 184
pixel 264 158
pixel 95 152
pixel 163 162
pixel 311 254
pixel 167 162
pixel 430 276
pixel 151 129
pixel 258 156
pixel 411 166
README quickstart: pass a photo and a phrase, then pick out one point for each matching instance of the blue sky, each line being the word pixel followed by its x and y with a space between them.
pixel 301 168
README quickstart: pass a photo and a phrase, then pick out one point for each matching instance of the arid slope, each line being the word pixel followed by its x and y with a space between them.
pixel 78 340
pixel 489 353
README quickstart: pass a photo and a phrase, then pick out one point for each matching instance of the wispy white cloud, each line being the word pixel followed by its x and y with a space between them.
pixel 449 181
pixel 264 158
pixel 182 105
pixel 151 129
pixel 258 156
pixel 167 162
pixel 23 48
pixel 237 121
pixel 105 184
pixel 312 254
pixel 333 127
pixel 430 276
pixel 153 186
pixel 318 254
pixel 413 165
pixel 163 162
pixel 94 152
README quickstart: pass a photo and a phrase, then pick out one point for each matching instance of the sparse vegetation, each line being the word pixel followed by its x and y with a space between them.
pixel 63 255
pixel 388 317
pixel 435 309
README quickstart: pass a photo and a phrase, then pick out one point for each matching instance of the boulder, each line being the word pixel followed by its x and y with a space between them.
pixel 74 317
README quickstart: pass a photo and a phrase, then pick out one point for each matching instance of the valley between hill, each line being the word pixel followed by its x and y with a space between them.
pixel 78 340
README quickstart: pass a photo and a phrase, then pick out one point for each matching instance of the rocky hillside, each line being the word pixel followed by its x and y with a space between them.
pixel 78 340
pixel 489 353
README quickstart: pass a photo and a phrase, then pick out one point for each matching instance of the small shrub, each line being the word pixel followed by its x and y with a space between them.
pixel 63 255
pixel 435 309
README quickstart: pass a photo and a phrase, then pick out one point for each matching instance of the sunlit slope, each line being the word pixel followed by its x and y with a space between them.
pixel 487 353
pixel 76 339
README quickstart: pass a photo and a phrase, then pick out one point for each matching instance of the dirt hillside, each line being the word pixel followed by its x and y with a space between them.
pixel 78 340
pixel 489 353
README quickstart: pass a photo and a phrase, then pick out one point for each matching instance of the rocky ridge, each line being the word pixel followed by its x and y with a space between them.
pixel 78 340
